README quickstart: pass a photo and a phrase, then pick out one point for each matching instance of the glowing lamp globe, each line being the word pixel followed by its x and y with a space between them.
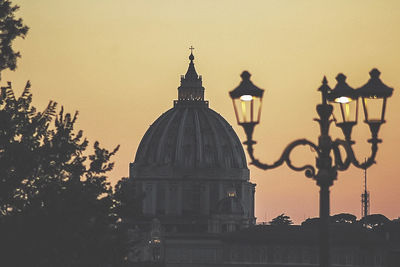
pixel 247 99
pixel 345 102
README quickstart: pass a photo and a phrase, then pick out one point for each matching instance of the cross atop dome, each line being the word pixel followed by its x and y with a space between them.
pixel 191 57
pixel 191 72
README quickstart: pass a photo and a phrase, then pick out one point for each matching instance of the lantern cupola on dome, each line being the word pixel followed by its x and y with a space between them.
pixel 191 88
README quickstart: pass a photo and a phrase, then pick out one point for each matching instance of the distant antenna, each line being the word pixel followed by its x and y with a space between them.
pixel 365 196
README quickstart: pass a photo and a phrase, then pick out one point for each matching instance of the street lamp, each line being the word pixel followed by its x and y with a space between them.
pixel 247 99
pixel 345 102
pixel 374 95
pixel 329 158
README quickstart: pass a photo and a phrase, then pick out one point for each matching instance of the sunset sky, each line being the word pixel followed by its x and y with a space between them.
pixel 118 62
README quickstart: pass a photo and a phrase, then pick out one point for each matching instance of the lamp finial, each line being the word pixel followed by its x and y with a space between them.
pixel 245 75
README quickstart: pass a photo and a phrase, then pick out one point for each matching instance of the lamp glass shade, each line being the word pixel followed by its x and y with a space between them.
pixel 345 110
pixel 247 109
pixel 247 99
pixel 374 109
pixel 345 102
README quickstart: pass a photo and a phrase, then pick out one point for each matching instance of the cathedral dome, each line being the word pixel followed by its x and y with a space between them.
pixel 190 136
pixel 188 160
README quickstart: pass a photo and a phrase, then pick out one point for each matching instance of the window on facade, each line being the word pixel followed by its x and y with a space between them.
pixel 285 256
pixel 213 195
pixel 349 260
pixel 187 199
pixel 196 198
pixel 313 257
pixel 378 260
pixel 160 208
pixel 270 255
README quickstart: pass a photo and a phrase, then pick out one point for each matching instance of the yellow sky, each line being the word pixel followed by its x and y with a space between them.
pixel 118 63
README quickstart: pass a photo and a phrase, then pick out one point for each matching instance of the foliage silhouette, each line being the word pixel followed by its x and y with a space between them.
pixel 375 221
pixel 56 206
pixel 281 220
pixel 10 28
pixel 128 204
pixel 343 218
pixel 128 208
pixel 311 222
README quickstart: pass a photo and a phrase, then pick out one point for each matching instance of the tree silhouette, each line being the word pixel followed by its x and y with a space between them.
pixel 56 206
pixel 10 28
pixel 128 208
pixel 343 218
pixel 281 220
pixel 311 222
pixel 127 201
pixel 374 221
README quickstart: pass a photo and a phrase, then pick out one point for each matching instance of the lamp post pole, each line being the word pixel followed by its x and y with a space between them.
pixel 326 174
pixel 247 100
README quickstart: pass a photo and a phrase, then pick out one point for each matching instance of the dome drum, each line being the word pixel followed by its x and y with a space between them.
pixel 143 172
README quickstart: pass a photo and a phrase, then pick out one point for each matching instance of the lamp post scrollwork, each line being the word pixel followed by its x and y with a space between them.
pixel 247 99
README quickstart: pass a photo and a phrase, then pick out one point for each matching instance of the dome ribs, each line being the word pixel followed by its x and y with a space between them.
pixel 199 142
pixel 208 158
pixel 156 141
pixel 162 141
pixel 143 148
pixel 189 141
pixel 238 161
pixel 179 139
pixel 216 140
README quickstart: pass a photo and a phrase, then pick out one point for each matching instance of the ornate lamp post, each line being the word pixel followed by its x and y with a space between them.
pixel 247 100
